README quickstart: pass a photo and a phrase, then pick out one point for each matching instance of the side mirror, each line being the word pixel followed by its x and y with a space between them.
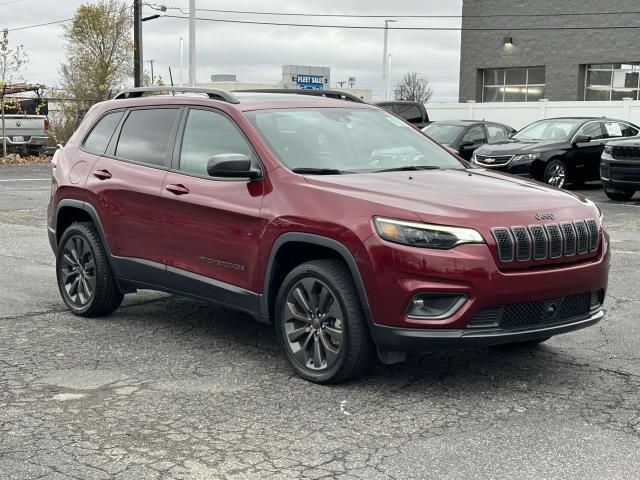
pixel 232 165
pixel 467 144
pixel 581 139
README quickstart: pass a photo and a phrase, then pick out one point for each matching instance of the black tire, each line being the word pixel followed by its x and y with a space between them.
pixel 555 173
pixel 300 330
pixel 81 261
pixel 619 194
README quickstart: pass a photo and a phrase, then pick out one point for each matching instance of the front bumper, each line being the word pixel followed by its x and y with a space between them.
pixel 412 339
pixel 624 174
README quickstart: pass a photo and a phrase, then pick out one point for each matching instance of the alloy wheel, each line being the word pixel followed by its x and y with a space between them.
pixel 78 271
pixel 313 324
pixel 557 175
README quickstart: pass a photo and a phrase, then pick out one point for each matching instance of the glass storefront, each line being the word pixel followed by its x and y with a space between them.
pixel 612 81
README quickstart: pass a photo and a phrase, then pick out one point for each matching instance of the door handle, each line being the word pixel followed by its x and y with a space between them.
pixel 102 174
pixel 177 189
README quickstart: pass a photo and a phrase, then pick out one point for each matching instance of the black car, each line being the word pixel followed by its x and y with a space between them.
pixel 465 136
pixel 620 169
pixel 556 150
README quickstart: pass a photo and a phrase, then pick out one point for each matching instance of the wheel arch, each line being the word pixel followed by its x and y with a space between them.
pixel 70 210
pixel 292 249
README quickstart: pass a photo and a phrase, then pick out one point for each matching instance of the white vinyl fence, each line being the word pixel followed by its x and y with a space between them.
pixel 519 114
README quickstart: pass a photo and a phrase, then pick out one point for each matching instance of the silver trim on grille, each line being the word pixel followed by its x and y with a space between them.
pixel 539 242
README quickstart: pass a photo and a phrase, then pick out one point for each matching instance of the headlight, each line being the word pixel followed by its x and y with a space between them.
pixel 607 153
pixel 527 157
pixel 425 235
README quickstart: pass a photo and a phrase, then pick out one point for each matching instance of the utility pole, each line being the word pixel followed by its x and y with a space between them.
pixel 181 76
pixel 192 43
pixel 153 79
pixel 385 59
pixel 137 43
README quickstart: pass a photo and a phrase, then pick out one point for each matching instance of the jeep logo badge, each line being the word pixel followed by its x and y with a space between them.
pixel 544 216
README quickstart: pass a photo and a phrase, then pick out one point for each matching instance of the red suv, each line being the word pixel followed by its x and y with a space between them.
pixel 338 222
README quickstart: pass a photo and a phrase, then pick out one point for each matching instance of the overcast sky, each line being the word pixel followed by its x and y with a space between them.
pixel 256 53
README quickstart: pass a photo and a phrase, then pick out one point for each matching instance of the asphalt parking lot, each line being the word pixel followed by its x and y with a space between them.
pixel 174 388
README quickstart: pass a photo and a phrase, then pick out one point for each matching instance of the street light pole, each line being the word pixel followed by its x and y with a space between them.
pixel 192 43
pixel 385 59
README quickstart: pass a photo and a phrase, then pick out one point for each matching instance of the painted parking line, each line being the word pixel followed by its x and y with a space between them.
pixel 25 180
pixel 625 252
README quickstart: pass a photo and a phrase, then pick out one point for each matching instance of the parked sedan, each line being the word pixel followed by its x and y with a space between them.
pixel 465 136
pixel 556 150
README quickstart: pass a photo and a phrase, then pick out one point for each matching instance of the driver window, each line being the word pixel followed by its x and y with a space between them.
pixel 207 134
pixel 593 130
pixel 475 135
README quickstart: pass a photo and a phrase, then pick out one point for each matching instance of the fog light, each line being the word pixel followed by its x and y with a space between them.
pixel 435 306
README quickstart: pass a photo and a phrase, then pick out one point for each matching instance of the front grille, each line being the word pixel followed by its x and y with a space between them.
pixel 537 313
pixel 493 160
pixel 624 175
pixel 549 241
pixel 625 152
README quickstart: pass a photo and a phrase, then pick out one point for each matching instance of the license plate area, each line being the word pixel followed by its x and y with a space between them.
pixel 17 139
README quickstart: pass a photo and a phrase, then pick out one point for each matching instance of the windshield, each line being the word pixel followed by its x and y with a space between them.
pixel 444 133
pixel 347 140
pixel 548 130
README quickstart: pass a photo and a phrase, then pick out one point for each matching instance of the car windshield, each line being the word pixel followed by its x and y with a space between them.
pixel 548 130
pixel 347 140
pixel 444 133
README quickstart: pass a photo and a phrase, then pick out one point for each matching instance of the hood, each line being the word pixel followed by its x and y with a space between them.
pixel 516 147
pixel 476 197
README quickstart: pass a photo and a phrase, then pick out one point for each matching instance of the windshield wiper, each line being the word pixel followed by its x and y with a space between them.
pixel 408 168
pixel 318 171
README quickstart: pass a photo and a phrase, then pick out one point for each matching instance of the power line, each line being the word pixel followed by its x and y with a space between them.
pixel 437 29
pixel 343 15
pixel 38 25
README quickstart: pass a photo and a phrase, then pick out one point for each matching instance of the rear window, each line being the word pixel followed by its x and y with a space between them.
pixel 411 113
pixel 146 136
pixel 99 137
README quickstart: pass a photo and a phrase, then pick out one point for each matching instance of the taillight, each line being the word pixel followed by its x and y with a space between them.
pixel 46 124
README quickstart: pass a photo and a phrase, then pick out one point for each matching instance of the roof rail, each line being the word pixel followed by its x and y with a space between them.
pixel 335 94
pixel 212 93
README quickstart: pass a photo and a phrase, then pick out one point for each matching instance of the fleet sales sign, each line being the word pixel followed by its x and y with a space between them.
pixel 310 81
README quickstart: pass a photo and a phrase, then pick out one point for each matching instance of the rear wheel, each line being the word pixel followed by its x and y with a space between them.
pixel 85 280
pixel 555 173
pixel 320 324
pixel 619 194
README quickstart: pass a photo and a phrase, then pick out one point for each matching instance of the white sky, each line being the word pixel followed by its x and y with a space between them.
pixel 256 53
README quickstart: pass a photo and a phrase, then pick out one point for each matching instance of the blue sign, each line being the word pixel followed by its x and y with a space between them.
pixel 310 82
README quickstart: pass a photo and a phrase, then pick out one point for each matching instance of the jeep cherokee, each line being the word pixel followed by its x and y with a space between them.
pixel 344 226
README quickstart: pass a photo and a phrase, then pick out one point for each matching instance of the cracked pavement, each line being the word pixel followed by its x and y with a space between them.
pixel 178 389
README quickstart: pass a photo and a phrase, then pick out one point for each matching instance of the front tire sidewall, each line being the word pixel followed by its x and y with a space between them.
pixel 549 168
pixel 324 376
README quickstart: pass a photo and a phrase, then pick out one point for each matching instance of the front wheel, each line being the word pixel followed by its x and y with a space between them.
pixel 555 173
pixel 619 194
pixel 320 324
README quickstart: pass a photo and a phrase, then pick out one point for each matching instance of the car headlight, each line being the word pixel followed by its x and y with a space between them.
pixel 527 157
pixel 425 235
pixel 607 153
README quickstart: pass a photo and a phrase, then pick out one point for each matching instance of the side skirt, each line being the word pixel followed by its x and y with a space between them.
pixel 135 273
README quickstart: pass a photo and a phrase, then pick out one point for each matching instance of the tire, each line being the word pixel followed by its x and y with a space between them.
pixel 555 173
pixel 320 346
pixel 618 194
pixel 85 280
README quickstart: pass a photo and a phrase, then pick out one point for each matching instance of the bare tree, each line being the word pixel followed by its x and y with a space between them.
pixel 11 62
pixel 414 87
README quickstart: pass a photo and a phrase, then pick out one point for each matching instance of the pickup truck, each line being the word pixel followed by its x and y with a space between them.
pixel 26 126
pixel 413 112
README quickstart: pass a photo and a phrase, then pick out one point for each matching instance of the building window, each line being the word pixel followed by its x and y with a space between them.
pixel 513 84
pixel 607 81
